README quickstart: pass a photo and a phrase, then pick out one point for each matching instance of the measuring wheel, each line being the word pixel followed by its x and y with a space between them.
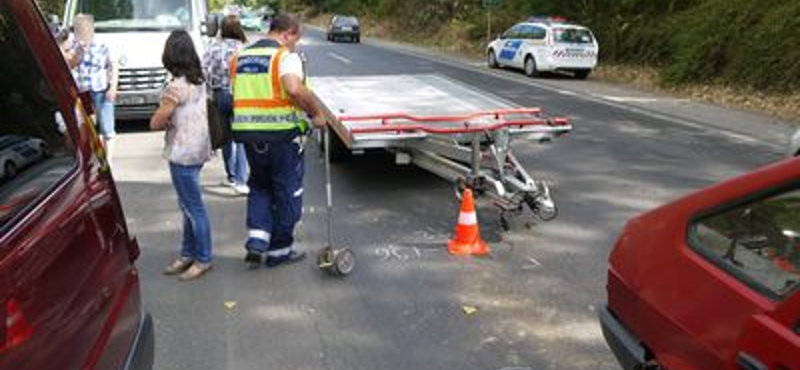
pixel 339 262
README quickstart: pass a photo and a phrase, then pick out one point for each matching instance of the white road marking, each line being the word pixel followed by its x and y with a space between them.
pixel 628 99
pixel 340 58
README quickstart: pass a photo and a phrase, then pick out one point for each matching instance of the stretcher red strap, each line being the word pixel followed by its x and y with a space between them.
pixel 432 124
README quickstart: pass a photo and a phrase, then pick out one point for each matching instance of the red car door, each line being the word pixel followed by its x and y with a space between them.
pixel 772 340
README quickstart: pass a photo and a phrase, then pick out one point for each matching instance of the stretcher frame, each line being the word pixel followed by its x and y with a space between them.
pixel 471 149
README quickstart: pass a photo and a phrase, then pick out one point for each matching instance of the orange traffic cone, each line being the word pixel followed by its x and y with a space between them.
pixel 468 237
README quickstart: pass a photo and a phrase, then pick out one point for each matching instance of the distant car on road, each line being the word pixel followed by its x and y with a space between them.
pixel 542 44
pixel 18 152
pixel 344 27
pixel 712 280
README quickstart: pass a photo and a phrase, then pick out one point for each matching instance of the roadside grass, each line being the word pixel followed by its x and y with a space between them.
pixel 455 40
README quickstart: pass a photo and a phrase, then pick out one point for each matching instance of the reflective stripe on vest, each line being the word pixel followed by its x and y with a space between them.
pixel 259 106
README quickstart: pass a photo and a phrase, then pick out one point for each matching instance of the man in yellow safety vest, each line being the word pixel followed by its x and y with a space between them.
pixel 271 111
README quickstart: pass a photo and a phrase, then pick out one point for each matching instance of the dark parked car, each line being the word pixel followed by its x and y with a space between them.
pixel 344 27
pixel 69 290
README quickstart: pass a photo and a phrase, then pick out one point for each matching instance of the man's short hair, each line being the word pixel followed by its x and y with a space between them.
pixel 285 22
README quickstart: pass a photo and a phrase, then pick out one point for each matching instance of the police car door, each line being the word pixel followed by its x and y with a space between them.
pixel 536 44
pixel 510 53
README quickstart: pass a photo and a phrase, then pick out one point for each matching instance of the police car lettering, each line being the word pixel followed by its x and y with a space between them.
pixel 510 49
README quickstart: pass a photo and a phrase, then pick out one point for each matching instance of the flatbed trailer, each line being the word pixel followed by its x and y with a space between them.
pixel 458 133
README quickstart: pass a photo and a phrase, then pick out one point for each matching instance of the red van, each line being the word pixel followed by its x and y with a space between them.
pixel 711 281
pixel 69 291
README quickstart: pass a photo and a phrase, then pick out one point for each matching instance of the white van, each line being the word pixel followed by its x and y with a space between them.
pixel 543 45
pixel 135 32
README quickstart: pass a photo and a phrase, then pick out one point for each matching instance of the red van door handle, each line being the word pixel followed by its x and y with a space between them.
pixel 747 361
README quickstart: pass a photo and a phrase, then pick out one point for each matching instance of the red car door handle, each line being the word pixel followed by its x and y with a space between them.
pixel 747 361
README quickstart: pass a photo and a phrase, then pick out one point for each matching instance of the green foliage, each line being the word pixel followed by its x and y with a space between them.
pixel 740 42
pixel 51 6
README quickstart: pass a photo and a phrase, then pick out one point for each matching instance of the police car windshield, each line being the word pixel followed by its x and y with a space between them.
pixel 160 15
pixel 572 36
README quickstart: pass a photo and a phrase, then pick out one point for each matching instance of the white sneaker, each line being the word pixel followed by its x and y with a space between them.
pixel 228 183
pixel 241 189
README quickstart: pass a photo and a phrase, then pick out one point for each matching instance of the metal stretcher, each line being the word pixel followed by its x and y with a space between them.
pixel 451 130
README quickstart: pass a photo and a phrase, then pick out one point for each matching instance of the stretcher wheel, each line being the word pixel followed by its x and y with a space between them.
pixel 547 213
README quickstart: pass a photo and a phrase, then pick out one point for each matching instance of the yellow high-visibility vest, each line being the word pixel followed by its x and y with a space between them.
pixel 260 104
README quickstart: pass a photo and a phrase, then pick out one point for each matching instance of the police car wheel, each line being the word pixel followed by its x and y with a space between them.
pixel 491 59
pixel 530 67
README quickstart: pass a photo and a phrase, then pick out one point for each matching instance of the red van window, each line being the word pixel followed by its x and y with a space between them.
pixel 34 152
pixel 757 242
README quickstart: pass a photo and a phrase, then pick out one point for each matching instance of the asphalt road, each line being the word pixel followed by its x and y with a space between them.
pixel 404 305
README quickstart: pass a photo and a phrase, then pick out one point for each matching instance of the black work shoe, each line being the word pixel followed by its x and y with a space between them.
pixel 253 259
pixel 292 257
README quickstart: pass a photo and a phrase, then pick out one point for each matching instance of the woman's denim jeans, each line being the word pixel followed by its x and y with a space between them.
pixel 196 242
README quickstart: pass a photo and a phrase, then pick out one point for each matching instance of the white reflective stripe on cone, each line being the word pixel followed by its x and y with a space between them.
pixel 259 234
pixel 468 218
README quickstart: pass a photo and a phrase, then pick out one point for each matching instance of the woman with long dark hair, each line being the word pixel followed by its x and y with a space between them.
pixel 183 115
pixel 217 62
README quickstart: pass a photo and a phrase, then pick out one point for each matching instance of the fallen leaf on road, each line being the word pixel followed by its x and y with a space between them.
pixel 469 310
pixel 231 304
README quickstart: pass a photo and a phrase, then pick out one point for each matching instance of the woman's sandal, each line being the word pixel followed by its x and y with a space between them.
pixel 178 266
pixel 195 271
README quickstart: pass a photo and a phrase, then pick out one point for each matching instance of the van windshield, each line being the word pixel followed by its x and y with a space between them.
pixel 116 15
pixel 572 36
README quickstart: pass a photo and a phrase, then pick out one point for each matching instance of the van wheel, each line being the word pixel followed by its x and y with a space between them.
pixel 10 170
pixel 530 67
pixel 583 74
pixel 491 59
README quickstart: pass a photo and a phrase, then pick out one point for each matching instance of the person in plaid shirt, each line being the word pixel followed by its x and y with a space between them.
pixel 217 62
pixel 97 73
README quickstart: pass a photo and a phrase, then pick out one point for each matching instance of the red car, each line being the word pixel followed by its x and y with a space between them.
pixel 711 281
pixel 69 291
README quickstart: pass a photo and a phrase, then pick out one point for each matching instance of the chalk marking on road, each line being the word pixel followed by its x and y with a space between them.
pixel 340 58
pixel 587 97
pixel 400 253
pixel 534 263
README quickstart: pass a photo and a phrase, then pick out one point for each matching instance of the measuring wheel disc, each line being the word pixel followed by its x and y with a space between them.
pixel 344 261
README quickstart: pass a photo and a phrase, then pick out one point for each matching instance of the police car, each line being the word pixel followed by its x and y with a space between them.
pixel 543 44
pixel 17 152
